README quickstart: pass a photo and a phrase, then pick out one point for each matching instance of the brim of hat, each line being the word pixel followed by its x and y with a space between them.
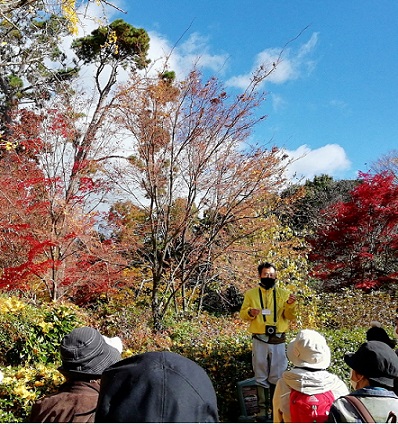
pixel 78 375
pixel 350 361
pixel 108 357
pixel 385 381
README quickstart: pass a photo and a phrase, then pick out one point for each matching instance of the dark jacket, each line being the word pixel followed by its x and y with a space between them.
pixel 378 401
pixel 156 387
pixel 74 403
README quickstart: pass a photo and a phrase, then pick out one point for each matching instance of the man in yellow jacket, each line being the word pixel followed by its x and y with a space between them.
pixel 269 309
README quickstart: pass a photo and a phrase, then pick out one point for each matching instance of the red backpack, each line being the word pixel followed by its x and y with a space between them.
pixel 310 408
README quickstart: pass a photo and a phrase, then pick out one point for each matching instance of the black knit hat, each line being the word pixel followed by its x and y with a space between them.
pixel 85 354
pixel 376 361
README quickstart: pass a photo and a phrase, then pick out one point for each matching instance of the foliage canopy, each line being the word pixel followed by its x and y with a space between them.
pixel 358 243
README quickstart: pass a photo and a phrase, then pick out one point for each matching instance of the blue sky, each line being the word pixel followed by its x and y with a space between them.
pixel 333 98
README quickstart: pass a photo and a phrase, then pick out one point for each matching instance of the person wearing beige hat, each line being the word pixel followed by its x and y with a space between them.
pixel 85 354
pixel 310 356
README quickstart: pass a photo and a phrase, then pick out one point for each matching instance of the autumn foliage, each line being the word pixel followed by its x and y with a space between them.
pixel 192 197
pixel 203 188
pixel 358 243
pixel 48 241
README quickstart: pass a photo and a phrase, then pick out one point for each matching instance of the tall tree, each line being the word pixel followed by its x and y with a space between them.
pixel 357 244
pixel 49 244
pixel 304 214
pixel 34 65
pixel 202 186
pixel 71 138
pixel 109 48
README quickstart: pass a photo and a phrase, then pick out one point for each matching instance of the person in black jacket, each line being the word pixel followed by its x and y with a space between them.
pixel 156 387
pixel 376 332
pixel 374 366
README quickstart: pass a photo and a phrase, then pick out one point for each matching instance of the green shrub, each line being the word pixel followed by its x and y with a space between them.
pixel 340 342
pixel 351 308
pixel 29 352
pixel 32 334
pixel 227 360
pixel 121 316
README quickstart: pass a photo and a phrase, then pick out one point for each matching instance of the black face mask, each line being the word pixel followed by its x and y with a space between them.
pixel 267 283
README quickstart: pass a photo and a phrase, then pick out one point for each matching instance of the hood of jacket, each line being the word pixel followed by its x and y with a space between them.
pixel 156 387
pixel 311 382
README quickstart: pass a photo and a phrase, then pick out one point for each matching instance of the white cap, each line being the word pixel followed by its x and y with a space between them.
pixel 1 376
pixel 309 349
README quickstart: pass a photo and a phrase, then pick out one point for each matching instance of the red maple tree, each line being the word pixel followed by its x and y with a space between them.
pixel 49 241
pixel 357 245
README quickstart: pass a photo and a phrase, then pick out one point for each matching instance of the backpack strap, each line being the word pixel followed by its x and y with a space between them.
pixel 360 408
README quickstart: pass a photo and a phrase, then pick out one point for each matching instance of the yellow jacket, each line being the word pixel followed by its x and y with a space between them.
pixel 285 312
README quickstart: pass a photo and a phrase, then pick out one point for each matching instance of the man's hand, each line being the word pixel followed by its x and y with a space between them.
pixel 254 312
pixel 292 299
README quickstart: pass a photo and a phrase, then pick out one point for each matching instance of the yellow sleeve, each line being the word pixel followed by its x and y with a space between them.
pixel 246 305
pixel 290 311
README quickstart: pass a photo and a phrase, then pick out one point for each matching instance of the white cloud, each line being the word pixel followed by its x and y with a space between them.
pixel 330 159
pixel 290 65
pixel 181 58
pixel 92 15
pixel 308 47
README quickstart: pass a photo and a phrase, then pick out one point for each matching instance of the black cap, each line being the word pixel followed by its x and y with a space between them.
pixel 376 361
